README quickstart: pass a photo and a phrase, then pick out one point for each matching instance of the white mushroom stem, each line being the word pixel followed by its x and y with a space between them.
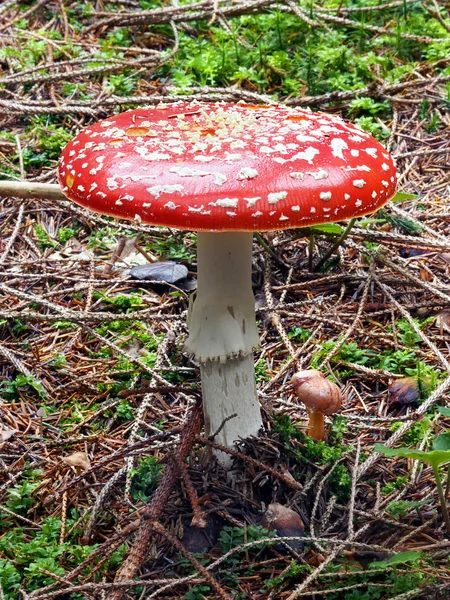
pixel 221 317
pixel 223 334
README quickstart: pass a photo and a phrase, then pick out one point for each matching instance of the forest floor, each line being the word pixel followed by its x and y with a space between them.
pixel 86 459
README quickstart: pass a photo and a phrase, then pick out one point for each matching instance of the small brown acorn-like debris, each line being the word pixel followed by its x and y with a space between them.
pixel 403 392
pixel 316 559
pixel 320 396
pixel 285 522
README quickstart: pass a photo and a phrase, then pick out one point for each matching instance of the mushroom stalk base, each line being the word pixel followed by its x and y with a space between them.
pixel 316 426
pixel 229 389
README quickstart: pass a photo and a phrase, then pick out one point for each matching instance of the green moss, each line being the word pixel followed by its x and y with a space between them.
pixel 145 478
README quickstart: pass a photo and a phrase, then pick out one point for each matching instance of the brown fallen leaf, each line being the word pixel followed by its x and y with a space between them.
pixel 424 275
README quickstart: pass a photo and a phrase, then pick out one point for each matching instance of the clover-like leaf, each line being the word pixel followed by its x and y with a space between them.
pixel 444 411
pixel 326 228
pixel 398 559
pixel 403 197
pixel 442 442
pixel 434 457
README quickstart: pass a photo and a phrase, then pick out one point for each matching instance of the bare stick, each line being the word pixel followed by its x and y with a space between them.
pixel 27 189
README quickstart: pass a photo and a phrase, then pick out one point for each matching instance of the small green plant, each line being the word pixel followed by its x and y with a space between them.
pixel 20 496
pixel 121 302
pixel 373 126
pixel 418 432
pixel 397 484
pixel 178 246
pixel 11 388
pixel 400 558
pixel 400 508
pixel 124 411
pixel 406 333
pixel 26 555
pixel 58 360
pixel 339 426
pixel 66 233
pixel 368 105
pixel 293 572
pixel 340 482
pixel 405 226
pixel 439 455
pixel 197 593
pixel 43 237
pixel 145 478
pixel 121 84
pixel 299 334
pixel 391 579
pixel 261 371
pixel 63 325
pixel 232 537
pixel 9 578
pixel 19 328
pixel 322 453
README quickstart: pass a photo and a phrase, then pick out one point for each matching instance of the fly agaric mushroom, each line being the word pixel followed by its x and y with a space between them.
pixel 320 396
pixel 226 170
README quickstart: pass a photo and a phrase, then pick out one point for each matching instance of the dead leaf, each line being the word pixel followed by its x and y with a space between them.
pixel 411 252
pixel 133 347
pixel 6 434
pixel 163 271
pixel 126 246
pixel 424 275
pixel 201 540
pixel 316 559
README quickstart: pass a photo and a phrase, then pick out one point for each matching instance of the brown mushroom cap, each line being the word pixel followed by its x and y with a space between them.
pixel 316 392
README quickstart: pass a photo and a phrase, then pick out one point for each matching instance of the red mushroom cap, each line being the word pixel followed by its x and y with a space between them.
pixel 227 167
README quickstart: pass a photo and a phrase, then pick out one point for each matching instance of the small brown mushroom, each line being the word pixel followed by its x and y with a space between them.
pixel 320 396
pixel 78 460
pixel 285 522
pixel 404 392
